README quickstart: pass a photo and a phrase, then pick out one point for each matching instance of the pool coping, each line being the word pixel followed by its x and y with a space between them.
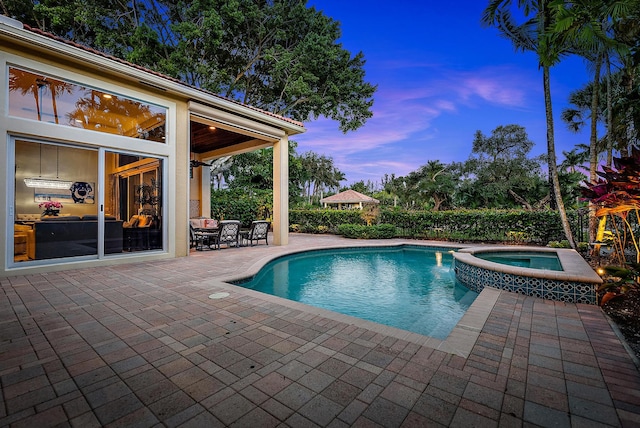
pixel 460 340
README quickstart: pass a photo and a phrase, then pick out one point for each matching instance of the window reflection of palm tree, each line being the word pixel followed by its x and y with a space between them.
pixel 114 115
pixel 56 88
pixel 25 82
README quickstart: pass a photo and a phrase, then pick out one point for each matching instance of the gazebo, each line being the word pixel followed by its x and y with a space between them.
pixel 348 200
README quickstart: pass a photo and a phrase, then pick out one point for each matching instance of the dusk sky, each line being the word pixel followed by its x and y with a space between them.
pixel 441 76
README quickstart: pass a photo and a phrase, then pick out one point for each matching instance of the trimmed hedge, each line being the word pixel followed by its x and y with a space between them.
pixel 234 204
pixel 533 227
pixel 517 226
pixel 322 221
pixel 358 231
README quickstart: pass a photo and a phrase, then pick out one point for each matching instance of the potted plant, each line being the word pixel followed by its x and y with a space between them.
pixel 51 208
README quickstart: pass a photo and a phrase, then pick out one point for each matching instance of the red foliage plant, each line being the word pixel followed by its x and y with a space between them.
pixel 616 194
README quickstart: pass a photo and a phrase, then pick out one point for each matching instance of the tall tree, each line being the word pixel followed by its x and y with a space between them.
pixel 532 34
pixel 619 127
pixel 319 175
pixel 437 184
pixel 254 171
pixel 366 188
pixel 587 25
pixel 504 175
pixel 389 191
pixel 626 109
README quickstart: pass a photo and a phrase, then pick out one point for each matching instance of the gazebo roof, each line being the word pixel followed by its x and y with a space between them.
pixel 349 197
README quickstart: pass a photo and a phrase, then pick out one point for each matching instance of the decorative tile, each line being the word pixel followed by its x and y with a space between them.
pixel 476 278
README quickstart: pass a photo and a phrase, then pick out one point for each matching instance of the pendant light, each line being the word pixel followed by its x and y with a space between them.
pixel 48 183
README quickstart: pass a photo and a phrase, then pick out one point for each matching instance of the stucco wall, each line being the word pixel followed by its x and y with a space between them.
pixel 82 165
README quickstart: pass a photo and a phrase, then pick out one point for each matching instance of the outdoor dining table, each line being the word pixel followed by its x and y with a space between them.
pixel 243 237
pixel 203 234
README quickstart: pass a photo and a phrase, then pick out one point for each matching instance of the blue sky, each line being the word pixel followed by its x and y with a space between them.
pixel 441 76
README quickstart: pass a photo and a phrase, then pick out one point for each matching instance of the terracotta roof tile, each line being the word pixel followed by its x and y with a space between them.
pixel 349 197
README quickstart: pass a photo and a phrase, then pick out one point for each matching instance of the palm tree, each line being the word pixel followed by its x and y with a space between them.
pixel 626 109
pixel 573 159
pixel 533 35
pixel 587 25
pixel 319 174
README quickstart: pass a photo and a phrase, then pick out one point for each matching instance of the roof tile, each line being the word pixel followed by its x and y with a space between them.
pixel 349 197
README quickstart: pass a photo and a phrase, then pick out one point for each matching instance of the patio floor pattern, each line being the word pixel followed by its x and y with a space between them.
pixel 144 345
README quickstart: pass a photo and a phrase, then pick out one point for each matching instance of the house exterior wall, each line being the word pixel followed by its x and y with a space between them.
pixel 174 150
pixel 37 53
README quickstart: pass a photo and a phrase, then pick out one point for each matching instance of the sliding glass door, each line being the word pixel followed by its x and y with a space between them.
pixel 55 195
pixel 135 194
pixel 62 209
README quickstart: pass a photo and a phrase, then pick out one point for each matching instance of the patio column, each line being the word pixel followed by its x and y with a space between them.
pixel 205 188
pixel 281 191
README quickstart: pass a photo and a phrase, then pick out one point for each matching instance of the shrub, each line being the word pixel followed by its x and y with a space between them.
pixel 236 205
pixel 323 229
pixel 309 220
pixel 518 226
pixel 559 244
pixel 583 247
pixel 619 281
pixel 359 231
pixel 386 231
pixel 478 225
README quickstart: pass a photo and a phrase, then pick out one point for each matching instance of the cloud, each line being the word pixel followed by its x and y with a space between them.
pixel 498 86
pixel 406 107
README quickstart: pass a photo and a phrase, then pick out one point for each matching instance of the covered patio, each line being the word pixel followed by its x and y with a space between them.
pixel 162 342
pixel 215 134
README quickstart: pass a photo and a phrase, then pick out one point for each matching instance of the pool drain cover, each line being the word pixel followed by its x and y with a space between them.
pixel 220 295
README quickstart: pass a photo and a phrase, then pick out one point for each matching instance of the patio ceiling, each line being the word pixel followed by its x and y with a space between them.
pixel 204 139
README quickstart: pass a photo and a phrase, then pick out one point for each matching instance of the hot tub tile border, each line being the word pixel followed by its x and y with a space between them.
pixel 476 278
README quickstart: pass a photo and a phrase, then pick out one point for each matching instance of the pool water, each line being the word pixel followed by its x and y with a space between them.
pixel 540 260
pixel 411 288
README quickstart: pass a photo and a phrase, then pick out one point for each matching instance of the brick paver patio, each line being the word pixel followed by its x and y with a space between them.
pixel 144 345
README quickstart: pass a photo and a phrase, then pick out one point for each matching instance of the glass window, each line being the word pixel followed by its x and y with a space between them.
pixel 46 99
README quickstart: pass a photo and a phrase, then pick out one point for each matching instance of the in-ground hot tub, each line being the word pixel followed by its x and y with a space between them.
pixel 528 259
pixel 526 270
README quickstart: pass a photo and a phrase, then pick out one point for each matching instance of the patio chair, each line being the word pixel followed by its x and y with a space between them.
pixel 192 236
pixel 228 233
pixel 195 223
pixel 136 232
pixel 259 230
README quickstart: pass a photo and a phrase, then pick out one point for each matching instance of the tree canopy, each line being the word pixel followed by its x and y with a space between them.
pixel 277 55
pixel 503 171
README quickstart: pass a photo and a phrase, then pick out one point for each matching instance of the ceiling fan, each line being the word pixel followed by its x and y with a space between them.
pixel 196 164
pixel 219 164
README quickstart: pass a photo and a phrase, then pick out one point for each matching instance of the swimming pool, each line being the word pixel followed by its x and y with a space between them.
pixel 408 287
